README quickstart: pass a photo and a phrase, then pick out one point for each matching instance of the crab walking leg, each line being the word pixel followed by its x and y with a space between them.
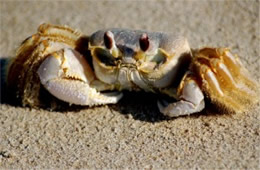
pixel 224 79
pixel 67 75
pixel 60 31
pixel 191 99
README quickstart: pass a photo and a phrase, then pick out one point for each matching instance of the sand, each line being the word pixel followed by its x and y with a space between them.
pixel 132 134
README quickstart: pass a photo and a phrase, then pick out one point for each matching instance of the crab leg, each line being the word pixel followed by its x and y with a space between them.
pixel 191 99
pixel 224 79
pixel 67 76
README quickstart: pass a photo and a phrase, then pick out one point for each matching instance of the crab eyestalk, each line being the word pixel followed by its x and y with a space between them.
pixel 109 40
pixel 153 58
pixel 144 45
pixel 110 44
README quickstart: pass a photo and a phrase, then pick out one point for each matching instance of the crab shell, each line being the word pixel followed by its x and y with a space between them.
pixel 132 67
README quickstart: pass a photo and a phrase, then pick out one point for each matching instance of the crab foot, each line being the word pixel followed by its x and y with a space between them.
pixel 191 99
pixel 67 76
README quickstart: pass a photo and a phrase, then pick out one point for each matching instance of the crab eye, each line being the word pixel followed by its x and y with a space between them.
pixel 144 42
pixel 105 57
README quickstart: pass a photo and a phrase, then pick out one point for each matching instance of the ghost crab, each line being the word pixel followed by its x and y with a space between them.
pixel 93 70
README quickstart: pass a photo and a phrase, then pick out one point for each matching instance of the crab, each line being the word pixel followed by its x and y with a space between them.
pixel 96 69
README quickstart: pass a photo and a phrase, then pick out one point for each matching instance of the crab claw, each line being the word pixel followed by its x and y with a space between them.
pixel 67 76
pixel 191 99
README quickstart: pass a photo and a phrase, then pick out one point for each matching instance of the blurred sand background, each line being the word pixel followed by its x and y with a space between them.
pixel 132 134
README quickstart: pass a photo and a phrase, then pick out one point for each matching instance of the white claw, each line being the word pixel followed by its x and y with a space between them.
pixel 67 75
pixel 179 108
pixel 191 101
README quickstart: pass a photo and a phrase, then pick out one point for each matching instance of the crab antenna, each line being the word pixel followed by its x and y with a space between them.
pixel 109 39
pixel 144 42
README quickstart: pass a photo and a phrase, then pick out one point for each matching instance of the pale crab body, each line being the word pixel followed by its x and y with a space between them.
pixel 93 70
pixel 129 66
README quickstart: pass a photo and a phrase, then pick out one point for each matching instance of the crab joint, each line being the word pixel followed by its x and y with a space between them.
pixel 144 42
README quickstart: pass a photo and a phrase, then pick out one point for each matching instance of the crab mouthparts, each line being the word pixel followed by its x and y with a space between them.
pixel 128 60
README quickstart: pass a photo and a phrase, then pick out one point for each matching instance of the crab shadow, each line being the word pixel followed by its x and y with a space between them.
pixel 143 107
pixel 137 105
pixel 140 106
pixel 5 98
